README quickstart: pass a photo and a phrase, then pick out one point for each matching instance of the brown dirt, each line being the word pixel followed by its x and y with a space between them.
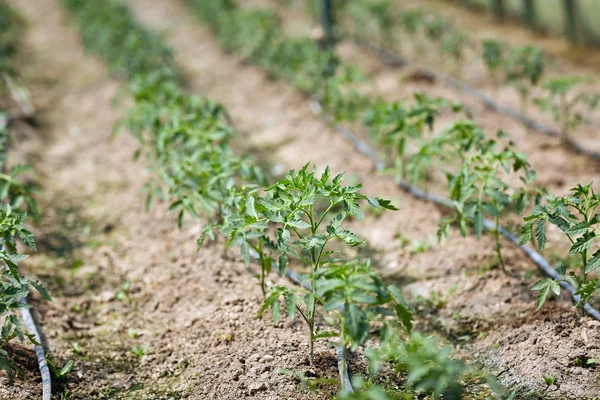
pixel 196 312
pixel 487 306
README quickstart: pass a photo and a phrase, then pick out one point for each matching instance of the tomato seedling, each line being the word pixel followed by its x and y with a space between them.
pixel 566 106
pixel 578 218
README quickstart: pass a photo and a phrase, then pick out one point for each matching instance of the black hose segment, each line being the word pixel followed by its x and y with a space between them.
pixel 39 351
pixel 395 60
pixel 419 193
pixel 345 373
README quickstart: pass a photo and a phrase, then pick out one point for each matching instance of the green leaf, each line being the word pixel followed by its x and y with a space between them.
pixel 593 263
pixel 41 289
pixel 290 305
pixel 540 233
pixel 299 224
pixel 355 323
pixel 245 250
pixel 250 207
pixel 374 202
pixel 578 229
pixel 352 208
pixel 66 369
pixel 350 238
pixel 544 287
pixel 542 283
pixel 583 243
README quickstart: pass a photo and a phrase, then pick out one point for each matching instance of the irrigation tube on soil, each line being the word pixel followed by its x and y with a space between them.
pixel 39 351
pixel 393 59
pixel 344 370
pixel 533 255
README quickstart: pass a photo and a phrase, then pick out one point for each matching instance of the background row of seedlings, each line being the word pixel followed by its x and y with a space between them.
pixel 489 179
pixel 18 207
pixel 298 220
pixel 567 99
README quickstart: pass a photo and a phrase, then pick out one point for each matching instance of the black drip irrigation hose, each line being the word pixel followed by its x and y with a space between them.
pixel 39 350
pixel 419 193
pixel 345 373
pixel 395 60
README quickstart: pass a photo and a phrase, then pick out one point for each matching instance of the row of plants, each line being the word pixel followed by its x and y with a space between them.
pixel 485 175
pixel 300 220
pixel 565 98
pixel 17 209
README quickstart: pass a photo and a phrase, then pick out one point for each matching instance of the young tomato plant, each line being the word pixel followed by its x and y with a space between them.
pixel 399 127
pixel 477 189
pixel 494 54
pixel 299 209
pixel 428 366
pixel 13 286
pixel 578 217
pixel 561 101
pixel 523 69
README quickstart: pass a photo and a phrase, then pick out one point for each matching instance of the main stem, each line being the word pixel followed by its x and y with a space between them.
pixel 498 244
pixel 262 269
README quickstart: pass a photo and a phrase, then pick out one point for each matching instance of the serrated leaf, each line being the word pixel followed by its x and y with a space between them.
pixel 245 250
pixel 299 224
pixel 540 233
pixel 355 323
pixel 577 229
pixel 593 263
pixel 541 298
pixel 583 243
pixel 542 283
pixel 250 207
pixel 41 289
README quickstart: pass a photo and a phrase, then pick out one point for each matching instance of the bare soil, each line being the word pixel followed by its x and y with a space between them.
pixel 196 311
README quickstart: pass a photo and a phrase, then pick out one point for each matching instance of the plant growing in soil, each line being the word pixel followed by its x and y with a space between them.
pixel 454 45
pixel 565 105
pixel 494 54
pixel 396 126
pixel 299 209
pixel 523 69
pixel 430 367
pixel 577 216
pixel 13 286
pixel 378 14
pixel 477 189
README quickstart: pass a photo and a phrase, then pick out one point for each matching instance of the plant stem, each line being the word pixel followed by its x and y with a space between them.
pixel 262 269
pixel 498 244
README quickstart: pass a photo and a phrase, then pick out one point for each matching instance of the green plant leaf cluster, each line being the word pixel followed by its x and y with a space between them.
pixel 565 103
pixel 577 216
pixel 17 201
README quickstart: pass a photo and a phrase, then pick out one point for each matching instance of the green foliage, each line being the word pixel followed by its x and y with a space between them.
pixel 477 189
pixel 16 201
pixel 299 209
pixel 493 53
pixel 430 367
pixel 372 18
pixel 549 380
pixel 10 23
pixel 110 32
pixel 399 126
pixel 577 217
pixel 523 69
pixel 564 104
